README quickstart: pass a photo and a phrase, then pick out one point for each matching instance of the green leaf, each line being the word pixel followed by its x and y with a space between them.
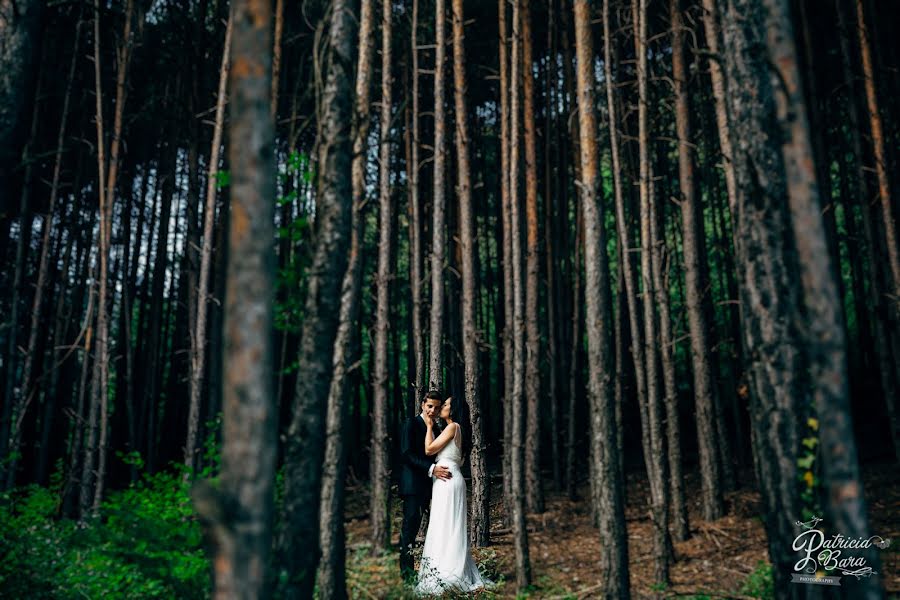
pixel 223 179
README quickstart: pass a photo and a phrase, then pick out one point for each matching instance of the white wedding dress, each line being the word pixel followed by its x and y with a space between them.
pixel 446 563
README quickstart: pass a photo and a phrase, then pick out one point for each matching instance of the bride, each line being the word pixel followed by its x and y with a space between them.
pixel 446 563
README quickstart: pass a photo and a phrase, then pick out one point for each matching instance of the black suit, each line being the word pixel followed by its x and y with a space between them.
pixel 414 486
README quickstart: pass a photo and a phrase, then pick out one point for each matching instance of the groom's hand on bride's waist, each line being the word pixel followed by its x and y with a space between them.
pixel 442 472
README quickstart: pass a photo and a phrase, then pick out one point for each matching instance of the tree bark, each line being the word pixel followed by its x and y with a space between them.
pixel 719 88
pixel 622 225
pixel 517 402
pixel 878 149
pixel 276 61
pixel 824 333
pixel 695 285
pixel 240 512
pixel 479 530
pixel 505 210
pixel 98 392
pixel 874 300
pixel 198 351
pixel 651 410
pixel 438 202
pixel 793 334
pixel 416 268
pixel 23 394
pixel 534 490
pixel 305 447
pixel 380 459
pixel 332 577
pixel 614 556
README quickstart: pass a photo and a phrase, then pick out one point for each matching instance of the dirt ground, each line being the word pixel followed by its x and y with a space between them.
pixel 721 559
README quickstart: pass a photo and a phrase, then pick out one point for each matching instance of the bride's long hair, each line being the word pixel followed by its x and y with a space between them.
pixel 459 412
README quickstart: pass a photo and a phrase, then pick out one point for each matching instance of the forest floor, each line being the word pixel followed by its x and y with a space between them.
pixel 722 559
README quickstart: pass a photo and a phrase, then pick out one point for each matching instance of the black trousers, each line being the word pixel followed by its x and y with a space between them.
pixel 414 506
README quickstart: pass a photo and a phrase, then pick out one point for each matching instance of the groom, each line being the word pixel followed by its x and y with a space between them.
pixel 416 471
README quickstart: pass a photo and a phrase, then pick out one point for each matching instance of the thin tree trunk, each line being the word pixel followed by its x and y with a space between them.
pixel 550 240
pixel 695 285
pixel 601 391
pixel 480 526
pixel 417 272
pixel 306 434
pixel 98 393
pixel 332 577
pixel 438 202
pixel 505 209
pixel 240 512
pixel 876 298
pixel 574 370
pixel 719 88
pixel 380 459
pixel 13 398
pixel 622 225
pixel 651 409
pixel 517 408
pixel 878 149
pixel 198 354
pixel 25 393
pixel 276 61
pixel 534 490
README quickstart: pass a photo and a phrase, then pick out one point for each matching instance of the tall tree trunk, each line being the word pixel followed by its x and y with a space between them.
pixel 332 577
pixel 517 408
pixel 98 393
pixel 795 335
pixel 480 525
pixel 380 456
pixel 276 61
pixel 622 225
pixel 305 447
pixel 878 149
pixel 438 202
pixel 551 240
pixel 506 182
pixel 24 394
pixel 695 285
pixel 825 336
pixel 416 267
pixel 240 511
pixel 534 491
pixel 876 298
pixel 651 405
pixel 574 364
pixel 719 88
pixel 198 354
pixel 614 556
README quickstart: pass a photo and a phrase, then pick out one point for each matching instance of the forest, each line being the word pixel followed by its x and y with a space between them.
pixel 649 246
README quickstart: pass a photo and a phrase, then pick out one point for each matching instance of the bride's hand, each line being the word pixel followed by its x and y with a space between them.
pixel 429 422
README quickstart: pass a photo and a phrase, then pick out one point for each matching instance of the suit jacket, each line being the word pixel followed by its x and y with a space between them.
pixel 414 463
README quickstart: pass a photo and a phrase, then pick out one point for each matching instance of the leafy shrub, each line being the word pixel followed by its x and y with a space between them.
pixel 145 543
pixel 760 583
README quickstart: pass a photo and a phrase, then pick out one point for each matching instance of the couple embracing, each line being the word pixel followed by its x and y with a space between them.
pixel 430 461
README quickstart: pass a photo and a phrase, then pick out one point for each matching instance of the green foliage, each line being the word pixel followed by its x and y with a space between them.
pixel 223 179
pixel 760 583
pixel 290 282
pixel 145 543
